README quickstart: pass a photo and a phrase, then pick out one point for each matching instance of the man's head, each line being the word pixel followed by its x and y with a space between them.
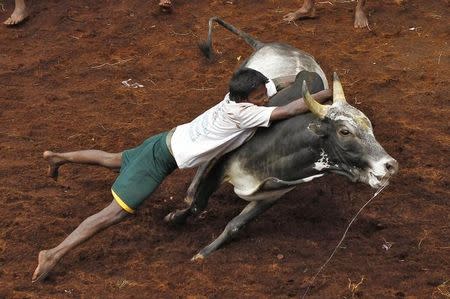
pixel 248 85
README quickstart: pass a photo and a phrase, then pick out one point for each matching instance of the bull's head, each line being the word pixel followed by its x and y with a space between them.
pixel 349 145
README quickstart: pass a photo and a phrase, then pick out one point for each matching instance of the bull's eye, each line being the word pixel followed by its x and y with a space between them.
pixel 344 132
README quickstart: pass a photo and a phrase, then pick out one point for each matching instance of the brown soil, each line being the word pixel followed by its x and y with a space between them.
pixel 61 75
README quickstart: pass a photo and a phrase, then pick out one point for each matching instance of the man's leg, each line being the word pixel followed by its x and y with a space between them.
pixel 19 14
pixel 92 157
pixel 306 11
pixel 361 20
pixel 92 225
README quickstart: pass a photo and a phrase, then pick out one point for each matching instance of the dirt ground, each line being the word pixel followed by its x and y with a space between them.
pixel 61 75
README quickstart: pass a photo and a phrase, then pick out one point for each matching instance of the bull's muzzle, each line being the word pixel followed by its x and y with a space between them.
pixel 380 172
pixel 391 166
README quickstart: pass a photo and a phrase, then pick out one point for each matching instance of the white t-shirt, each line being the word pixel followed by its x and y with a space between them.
pixel 219 130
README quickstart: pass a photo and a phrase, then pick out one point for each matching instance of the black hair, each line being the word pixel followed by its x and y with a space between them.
pixel 243 82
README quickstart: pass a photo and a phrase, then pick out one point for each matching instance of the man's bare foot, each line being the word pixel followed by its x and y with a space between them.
pixel 300 14
pixel 361 20
pixel 165 6
pixel 46 262
pixel 19 14
pixel 197 258
pixel 307 11
pixel 54 162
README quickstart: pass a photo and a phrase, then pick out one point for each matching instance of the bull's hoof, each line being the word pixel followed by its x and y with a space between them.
pixel 198 257
pixel 177 217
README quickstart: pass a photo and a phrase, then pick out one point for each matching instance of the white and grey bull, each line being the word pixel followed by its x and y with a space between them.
pixel 335 138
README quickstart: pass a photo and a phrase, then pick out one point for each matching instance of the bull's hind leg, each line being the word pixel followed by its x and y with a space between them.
pixel 251 211
pixel 205 182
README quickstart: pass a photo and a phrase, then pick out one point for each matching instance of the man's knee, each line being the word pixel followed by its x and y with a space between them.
pixel 114 213
pixel 113 160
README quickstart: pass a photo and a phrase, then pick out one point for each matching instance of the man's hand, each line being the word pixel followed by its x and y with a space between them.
pixel 298 106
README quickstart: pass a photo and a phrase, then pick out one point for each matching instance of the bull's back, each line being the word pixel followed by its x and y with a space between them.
pixel 281 62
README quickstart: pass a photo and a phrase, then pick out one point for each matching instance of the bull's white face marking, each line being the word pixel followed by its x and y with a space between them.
pixel 346 119
pixel 353 122
pixel 323 162
pixel 351 117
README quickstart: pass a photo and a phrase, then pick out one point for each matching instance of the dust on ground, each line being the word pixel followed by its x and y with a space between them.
pixel 61 75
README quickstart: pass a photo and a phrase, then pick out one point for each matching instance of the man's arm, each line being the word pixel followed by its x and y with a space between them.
pixel 298 106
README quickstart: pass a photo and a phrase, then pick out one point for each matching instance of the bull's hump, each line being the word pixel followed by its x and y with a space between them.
pixel 275 63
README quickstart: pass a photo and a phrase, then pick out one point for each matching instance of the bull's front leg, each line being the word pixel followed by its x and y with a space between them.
pixel 250 212
pixel 205 182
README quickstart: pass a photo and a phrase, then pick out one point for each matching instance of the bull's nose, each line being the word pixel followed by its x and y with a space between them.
pixel 391 166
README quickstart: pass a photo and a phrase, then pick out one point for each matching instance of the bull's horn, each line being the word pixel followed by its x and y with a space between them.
pixel 316 108
pixel 338 91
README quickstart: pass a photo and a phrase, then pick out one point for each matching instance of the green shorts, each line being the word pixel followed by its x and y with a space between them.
pixel 143 169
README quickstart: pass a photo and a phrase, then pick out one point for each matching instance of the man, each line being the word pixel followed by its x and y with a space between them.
pixel 217 131
pixel 308 11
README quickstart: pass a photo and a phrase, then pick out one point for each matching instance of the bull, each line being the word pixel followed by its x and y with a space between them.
pixel 336 138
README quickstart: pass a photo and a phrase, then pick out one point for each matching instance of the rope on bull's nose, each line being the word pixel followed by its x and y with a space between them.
pixel 384 184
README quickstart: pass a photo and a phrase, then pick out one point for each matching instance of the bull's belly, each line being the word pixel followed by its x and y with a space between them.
pixel 250 187
pixel 245 184
pixel 263 195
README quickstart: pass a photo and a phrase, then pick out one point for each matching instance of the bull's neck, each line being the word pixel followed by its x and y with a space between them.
pixel 296 156
pixel 309 159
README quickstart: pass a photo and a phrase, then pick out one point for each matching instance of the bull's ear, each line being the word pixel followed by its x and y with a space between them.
pixel 317 128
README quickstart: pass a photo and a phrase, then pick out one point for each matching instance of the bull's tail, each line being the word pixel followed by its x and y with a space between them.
pixel 206 46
